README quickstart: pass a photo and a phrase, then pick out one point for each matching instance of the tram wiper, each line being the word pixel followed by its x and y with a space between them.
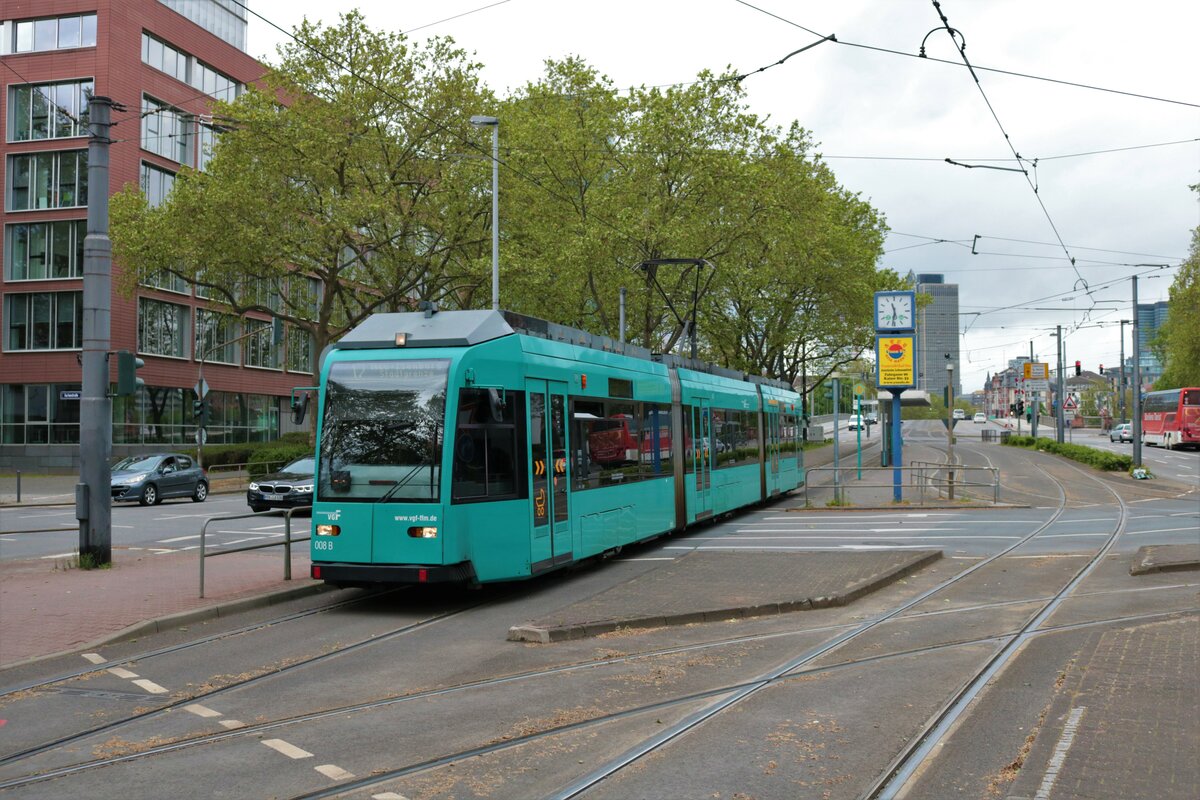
pixel 401 483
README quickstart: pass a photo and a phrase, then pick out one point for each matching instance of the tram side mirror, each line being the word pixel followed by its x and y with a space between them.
pixel 299 409
pixel 496 401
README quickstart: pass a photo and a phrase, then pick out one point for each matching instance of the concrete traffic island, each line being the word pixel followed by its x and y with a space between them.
pixel 717 586
pixel 1165 558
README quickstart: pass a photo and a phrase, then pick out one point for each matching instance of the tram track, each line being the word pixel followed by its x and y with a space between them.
pixel 257 730
pixel 843 634
pixel 236 684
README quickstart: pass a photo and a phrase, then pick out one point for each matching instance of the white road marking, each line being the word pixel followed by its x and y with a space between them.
pixel 268 527
pixel 232 724
pixel 95 658
pixel 1060 753
pixel 646 559
pixel 201 711
pixel 1164 530
pixel 1057 555
pixel 334 772
pixel 238 541
pixel 289 750
pixel 62 555
pixel 121 672
pixel 1071 535
pixel 388 796
pixel 179 516
pixel 150 686
pixel 179 538
pixel 158 551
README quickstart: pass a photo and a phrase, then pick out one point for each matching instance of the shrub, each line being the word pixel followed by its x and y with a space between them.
pixel 1100 459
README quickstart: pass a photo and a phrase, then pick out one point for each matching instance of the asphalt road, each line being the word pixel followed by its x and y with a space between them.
pixel 170 527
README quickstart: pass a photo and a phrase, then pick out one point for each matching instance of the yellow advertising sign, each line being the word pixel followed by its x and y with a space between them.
pixel 896 357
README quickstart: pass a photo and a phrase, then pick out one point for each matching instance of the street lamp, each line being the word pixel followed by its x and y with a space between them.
pixel 480 121
pixel 950 430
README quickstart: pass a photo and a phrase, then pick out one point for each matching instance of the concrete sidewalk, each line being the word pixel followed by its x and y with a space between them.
pixel 49 607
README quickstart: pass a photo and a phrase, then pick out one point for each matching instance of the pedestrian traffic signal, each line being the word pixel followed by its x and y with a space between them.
pixel 1078 369
pixel 127 380
pixel 1012 408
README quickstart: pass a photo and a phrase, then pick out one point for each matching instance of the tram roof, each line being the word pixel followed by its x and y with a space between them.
pixel 468 328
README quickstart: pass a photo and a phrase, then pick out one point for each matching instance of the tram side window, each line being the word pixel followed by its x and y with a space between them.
pixel 609 438
pixel 488 442
pixel 655 446
pixel 736 435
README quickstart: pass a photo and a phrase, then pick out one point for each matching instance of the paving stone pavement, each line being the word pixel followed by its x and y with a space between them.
pixel 1124 722
pixel 709 586
pixel 47 607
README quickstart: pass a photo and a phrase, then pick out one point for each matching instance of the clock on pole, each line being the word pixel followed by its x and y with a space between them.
pixel 895 311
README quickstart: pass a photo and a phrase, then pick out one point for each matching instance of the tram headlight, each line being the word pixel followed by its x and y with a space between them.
pixel 422 532
pixel 328 530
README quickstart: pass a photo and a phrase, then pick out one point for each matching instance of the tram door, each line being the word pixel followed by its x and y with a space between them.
pixel 702 454
pixel 549 468
pixel 772 419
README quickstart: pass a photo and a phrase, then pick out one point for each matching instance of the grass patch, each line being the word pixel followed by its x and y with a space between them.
pixel 89 561
pixel 1093 457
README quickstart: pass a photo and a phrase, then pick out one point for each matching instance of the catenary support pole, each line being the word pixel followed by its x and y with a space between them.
pixel 837 489
pixel 1137 384
pixel 1060 416
pixel 950 431
pixel 897 448
pixel 93 495
pixel 1122 380
pixel 621 322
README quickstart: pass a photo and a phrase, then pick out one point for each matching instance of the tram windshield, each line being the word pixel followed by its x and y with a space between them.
pixel 383 430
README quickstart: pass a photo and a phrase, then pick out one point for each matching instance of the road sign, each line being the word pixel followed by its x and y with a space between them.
pixel 949 423
pixel 1070 404
pixel 1037 371
pixel 1037 385
pixel 201 388
pixel 69 394
pixel 201 436
pixel 859 389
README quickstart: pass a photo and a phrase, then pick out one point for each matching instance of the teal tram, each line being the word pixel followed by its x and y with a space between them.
pixel 482 446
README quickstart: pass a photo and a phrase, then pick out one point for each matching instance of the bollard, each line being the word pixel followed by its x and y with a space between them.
pixel 287 545
pixel 18 486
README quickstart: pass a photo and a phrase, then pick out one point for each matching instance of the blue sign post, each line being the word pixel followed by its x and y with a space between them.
pixel 896 364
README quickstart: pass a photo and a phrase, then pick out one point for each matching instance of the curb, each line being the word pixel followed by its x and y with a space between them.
pixel 159 624
pixel 539 635
pixel 1165 558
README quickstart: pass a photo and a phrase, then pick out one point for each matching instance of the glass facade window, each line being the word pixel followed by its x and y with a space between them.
pixel 162 328
pixel 167 281
pixel 206 141
pixel 48 110
pixel 261 350
pixel 215 333
pixel 189 69
pixel 56 33
pixel 47 180
pixel 299 350
pixel 45 250
pixel 167 131
pixel 163 415
pixel 39 414
pixel 43 321
pixel 222 18
pixel 156 184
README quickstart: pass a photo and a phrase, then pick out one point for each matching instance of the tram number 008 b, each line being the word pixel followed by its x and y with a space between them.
pixel 319 545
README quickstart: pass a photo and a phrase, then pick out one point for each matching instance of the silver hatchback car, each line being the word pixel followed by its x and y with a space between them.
pixel 1121 433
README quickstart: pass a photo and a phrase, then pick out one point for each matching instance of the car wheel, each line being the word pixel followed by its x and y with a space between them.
pixel 201 492
pixel 150 495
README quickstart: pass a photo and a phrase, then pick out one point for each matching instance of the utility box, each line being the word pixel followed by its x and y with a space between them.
pixel 816 433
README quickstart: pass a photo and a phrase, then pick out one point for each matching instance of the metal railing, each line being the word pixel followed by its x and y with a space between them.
pixel 920 479
pixel 287 539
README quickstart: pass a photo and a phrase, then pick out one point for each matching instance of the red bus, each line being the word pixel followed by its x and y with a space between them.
pixel 1172 417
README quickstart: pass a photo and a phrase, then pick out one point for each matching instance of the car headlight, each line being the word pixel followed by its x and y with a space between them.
pixel 139 478
pixel 253 486
pixel 303 489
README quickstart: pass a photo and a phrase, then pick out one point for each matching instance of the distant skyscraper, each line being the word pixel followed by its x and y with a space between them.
pixel 1150 317
pixel 937 334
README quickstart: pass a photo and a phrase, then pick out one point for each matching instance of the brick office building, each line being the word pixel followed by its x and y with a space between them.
pixel 164 61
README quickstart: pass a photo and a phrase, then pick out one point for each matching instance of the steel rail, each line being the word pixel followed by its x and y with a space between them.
pixel 215 637
pixel 893 780
pixel 264 727
pixel 336 653
pixel 678 729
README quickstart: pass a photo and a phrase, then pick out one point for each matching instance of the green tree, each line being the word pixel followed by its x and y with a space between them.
pixel 1178 342
pixel 334 190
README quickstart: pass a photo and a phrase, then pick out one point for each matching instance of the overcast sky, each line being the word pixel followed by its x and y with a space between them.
pixel 885 122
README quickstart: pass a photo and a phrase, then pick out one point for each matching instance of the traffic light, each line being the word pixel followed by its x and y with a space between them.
pixel 200 411
pixel 127 380
pixel 1078 369
pixel 1012 408
pixel 1020 406
pixel 1101 369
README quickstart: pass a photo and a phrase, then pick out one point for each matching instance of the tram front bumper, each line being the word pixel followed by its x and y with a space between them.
pixel 373 574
